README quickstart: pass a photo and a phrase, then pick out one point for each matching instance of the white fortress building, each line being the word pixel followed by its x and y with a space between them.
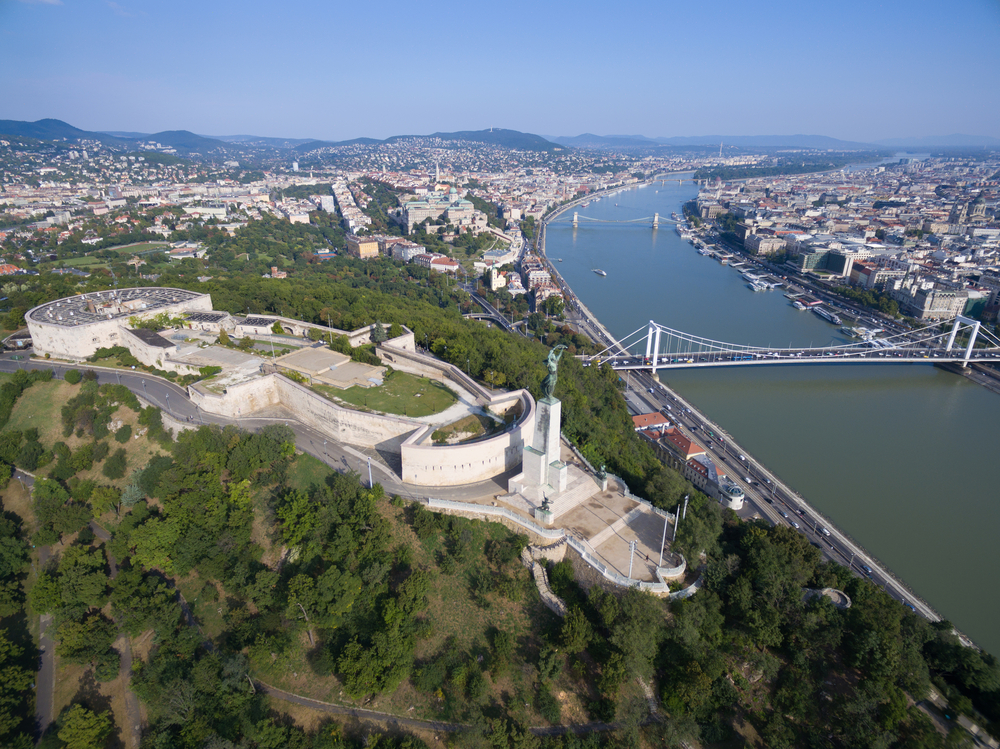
pixel 288 382
pixel 75 327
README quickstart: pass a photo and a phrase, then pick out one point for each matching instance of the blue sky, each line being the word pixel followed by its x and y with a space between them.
pixel 333 69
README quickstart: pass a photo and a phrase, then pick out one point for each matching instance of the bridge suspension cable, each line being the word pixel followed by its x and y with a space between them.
pixel 669 348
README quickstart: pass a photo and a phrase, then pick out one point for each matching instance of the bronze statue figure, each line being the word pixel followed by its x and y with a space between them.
pixel 549 383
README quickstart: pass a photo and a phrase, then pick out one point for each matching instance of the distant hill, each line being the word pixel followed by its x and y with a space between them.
pixel 506 138
pixel 769 141
pixel 49 129
pixel 185 140
pixel 311 145
pixel 499 137
pixel 262 140
pixel 589 140
pixel 930 141
pixel 182 140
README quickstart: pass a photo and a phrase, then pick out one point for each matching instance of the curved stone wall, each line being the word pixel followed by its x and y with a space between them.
pixel 451 465
pixel 67 329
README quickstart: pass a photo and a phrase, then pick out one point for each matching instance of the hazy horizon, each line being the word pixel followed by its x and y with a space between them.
pixel 317 70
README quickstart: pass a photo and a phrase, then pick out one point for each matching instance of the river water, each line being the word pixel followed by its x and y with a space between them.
pixel 901 457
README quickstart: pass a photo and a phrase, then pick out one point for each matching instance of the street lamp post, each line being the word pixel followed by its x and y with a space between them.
pixel 168 402
pixel 144 395
pixel 663 540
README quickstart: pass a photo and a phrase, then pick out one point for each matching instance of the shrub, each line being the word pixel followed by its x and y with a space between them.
pixel 124 434
pixel 366 355
pixel 10 445
pixel 115 466
pixel 342 344
pixel 548 705
pixel 28 457
pixel 101 451
pixel 73 376
pixel 83 458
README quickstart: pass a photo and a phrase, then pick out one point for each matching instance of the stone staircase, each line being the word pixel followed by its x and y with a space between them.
pixel 550 599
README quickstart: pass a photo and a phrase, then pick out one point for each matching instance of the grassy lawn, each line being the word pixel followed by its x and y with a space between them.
pixel 86 262
pixel 41 407
pixel 471 427
pixel 307 472
pixel 141 247
pixel 401 393
pixel 207 605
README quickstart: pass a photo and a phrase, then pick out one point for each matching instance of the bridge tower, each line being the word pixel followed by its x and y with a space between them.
pixel 653 347
pixel 576 219
pixel 974 325
pixel 656 220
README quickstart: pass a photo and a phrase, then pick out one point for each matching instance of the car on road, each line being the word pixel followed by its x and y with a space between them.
pixel 824 531
pixel 866 568
pixel 784 515
pixel 795 525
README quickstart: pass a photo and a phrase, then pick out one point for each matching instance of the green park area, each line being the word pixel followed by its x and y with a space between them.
pixel 133 249
pixel 401 393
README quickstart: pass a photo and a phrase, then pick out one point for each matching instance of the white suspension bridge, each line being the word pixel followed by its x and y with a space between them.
pixel 655 220
pixel 665 348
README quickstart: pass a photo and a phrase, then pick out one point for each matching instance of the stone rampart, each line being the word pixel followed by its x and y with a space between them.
pixel 342 424
pixel 470 462
pixel 428 366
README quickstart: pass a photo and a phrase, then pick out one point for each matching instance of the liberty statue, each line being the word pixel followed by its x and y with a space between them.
pixel 549 383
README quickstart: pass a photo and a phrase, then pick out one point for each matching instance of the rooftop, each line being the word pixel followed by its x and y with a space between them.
pixel 107 305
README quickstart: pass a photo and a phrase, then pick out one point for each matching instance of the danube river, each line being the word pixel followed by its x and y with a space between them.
pixel 900 457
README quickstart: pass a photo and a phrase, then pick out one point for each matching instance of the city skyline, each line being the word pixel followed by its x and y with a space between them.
pixel 312 70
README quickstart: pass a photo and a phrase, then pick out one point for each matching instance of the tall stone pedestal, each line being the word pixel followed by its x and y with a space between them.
pixel 543 475
pixel 541 464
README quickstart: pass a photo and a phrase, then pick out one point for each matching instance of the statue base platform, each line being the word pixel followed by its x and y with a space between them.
pixel 544 517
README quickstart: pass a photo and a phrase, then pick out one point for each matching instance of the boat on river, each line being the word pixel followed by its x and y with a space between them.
pixel 827 315
pixel 599 272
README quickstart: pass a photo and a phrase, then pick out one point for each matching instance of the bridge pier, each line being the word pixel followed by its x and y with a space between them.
pixel 653 348
pixel 975 325
pixel 656 220
pixel 576 219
